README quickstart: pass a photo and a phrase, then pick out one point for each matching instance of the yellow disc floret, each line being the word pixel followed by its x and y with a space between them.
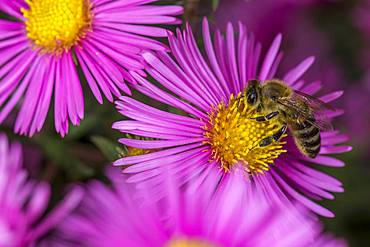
pixel 186 242
pixel 131 151
pixel 234 136
pixel 57 25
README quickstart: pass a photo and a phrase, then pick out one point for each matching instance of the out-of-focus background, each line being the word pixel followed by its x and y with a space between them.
pixel 336 32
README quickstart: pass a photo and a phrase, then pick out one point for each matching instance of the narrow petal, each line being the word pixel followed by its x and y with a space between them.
pixel 270 58
pixel 294 74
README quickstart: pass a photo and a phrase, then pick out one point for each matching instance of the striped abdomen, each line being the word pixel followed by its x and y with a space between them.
pixel 307 137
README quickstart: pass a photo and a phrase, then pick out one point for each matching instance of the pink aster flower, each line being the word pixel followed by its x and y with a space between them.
pixel 23 201
pixel 361 17
pixel 217 130
pixel 358 124
pixel 197 216
pixel 47 40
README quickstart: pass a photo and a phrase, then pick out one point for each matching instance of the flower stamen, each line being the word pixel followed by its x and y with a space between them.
pixel 234 136
pixel 131 151
pixel 57 25
pixel 186 242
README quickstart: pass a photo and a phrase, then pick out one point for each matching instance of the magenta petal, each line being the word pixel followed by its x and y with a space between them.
pixel 332 96
pixel 312 88
pixel 20 90
pixel 89 77
pixel 212 56
pixel 148 144
pixel 76 89
pixel 308 203
pixel 32 97
pixel 335 150
pixel 127 215
pixel 232 58
pixel 38 202
pixel 155 155
pixel 60 107
pixel 270 57
pixel 327 161
pixel 294 74
pixel 58 213
pixel 44 101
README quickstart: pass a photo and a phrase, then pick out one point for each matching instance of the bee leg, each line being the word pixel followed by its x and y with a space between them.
pixel 267 117
pixel 280 132
pixel 266 141
pixel 275 137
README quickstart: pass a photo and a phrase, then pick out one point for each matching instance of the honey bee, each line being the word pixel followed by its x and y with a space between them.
pixel 299 112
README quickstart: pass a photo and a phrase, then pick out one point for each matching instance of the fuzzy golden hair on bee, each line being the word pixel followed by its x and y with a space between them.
pixel 294 110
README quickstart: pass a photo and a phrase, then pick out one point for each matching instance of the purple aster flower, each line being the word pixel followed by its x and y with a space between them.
pixel 327 240
pixel 361 17
pixel 218 130
pixel 45 40
pixel 23 202
pixel 358 124
pixel 197 216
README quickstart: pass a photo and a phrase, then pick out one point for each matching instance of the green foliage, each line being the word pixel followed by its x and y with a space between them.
pixel 108 148
pixel 215 4
pixel 59 151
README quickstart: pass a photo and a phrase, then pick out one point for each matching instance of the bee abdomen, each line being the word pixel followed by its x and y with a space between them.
pixel 308 132
pixel 307 137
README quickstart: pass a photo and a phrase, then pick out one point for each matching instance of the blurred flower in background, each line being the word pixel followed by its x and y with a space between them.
pixel 338 34
pixel 267 18
pixel 219 130
pixel 361 17
pixel 196 216
pixel 23 201
pixel 358 96
pixel 358 122
pixel 43 41
pixel 304 31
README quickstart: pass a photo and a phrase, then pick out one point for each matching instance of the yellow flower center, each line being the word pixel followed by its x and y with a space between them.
pixel 57 25
pixel 185 242
pixel 137 151
pixel 234 136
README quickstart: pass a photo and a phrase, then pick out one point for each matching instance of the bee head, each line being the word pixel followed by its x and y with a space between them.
pixel 252 92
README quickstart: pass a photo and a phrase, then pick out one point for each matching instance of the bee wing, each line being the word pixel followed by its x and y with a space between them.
pixel 316 117
pixel 319 107
pixel 321 122
pixel 315 103
pixel 294 107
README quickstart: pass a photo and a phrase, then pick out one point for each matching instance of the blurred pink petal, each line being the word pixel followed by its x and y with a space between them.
pixel 23 201
pixel 230 213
